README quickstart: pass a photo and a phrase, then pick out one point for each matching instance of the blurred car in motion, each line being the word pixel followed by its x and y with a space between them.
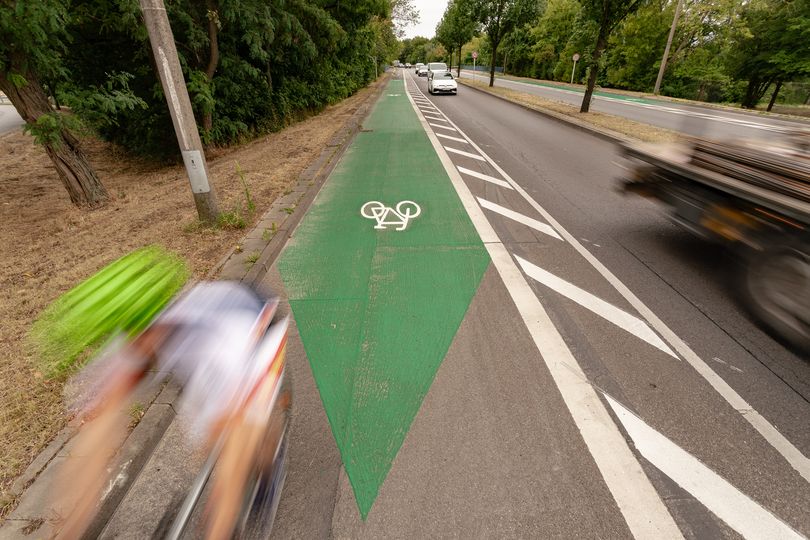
pixel 422 71
pixel 416 67
pixel 753 196
pixel 442 83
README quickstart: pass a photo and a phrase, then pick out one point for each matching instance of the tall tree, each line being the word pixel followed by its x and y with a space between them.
pixel 498 18
pixel 607 14
pixel 773 48
pixel 31 50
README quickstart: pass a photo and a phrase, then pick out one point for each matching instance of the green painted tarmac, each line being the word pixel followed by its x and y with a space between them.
pixel 377 309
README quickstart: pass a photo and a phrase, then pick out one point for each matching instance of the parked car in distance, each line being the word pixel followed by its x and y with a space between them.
pixel 436 67
pixel 417 66
pixel 408 65
pixel 442 82
pixel 422 71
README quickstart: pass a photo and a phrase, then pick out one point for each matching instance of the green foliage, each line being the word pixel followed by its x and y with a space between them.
pixel 48 128
pixel 279 60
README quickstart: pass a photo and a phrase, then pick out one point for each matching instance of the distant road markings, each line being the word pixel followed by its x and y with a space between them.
pixel 607 311
pixel 441 126
pixel 458 139
pixel 463 153
pixel 728 503
pixel 520 218
pixel 638 501
pixel 482 176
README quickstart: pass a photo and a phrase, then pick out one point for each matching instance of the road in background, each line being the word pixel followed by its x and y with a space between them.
pixel 689 119
pixel 9 119
pixel 720 361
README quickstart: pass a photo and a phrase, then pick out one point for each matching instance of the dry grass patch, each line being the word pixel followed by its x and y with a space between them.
pixel 623 126
pixel 48 245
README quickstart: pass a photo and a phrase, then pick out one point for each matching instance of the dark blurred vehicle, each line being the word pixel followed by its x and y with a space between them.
pixel 753 196
pixel 422 71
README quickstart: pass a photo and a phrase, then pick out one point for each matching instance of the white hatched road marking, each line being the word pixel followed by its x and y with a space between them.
pixel 459 139
pixel 520 218
pixel 463 153
pixel 728 503
pixel 639 502
pixel 768 431
pixel 485 177
pixel 607 311
pixel 441 126
pixel 435 118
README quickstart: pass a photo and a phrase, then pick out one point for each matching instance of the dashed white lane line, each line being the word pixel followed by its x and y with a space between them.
pixel 607 311
pixel 639 502
pixel 463 153
pixel 459 139
pixel 728 503
pixel 441 126
pixel 482 176
pixel 520 218
pixel 768 431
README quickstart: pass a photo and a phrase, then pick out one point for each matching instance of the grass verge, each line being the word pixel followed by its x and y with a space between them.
pixel 622 126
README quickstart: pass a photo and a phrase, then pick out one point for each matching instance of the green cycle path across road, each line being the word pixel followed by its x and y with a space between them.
pixel 377 294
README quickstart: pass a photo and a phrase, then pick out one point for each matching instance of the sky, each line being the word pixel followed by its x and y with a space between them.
pixel 430 13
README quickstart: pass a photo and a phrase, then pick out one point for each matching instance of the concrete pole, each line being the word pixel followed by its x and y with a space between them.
pixel 185 127
pixel 666 49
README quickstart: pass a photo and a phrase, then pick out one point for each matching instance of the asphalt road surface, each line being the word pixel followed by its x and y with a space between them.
pixel 690 119
pixel 9 119
pixel 605 381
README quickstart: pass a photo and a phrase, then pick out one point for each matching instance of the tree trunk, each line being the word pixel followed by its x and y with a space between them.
pixel 458 67
pixel 213 58
pixel 756 89
pixel 76 173
pixel 773 96
pixel 492 67
pixel 601 43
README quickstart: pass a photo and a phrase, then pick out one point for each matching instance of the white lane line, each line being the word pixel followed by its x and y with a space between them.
pixel 463 153
pixel 424 107
pixel 459 139
pixel 441 126
pixel 779 442
pixel 485 177
pixel 435 118
pixel 639 502
pixel 520 218
pixel 728 503
pixel 607 311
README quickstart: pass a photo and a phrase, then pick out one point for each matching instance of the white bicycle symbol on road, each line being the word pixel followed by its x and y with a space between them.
pixel 386 216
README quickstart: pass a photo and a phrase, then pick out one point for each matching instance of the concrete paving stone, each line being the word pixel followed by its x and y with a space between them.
pixel 42 460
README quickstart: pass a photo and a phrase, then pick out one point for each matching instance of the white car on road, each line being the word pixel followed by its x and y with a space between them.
pixel 442 82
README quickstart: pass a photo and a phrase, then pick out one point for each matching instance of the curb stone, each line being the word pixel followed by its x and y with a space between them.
pixel 159 411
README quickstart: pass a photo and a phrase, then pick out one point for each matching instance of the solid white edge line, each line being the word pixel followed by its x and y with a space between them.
pixel 458 139
pixel 725 501
pixel 779 442
pixel 485 178
pixel 515 216
pixel 640 504
pixel 463 153
pixel 609 312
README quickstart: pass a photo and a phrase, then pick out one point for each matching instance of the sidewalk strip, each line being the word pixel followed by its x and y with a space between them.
pixel 520 218
pixel 481 176
pixel 463 153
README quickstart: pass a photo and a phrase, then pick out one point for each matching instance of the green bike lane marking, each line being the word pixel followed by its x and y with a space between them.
pixel 377 309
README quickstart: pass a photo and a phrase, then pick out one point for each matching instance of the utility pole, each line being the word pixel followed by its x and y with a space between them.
pixel 185 127
pixel 666 49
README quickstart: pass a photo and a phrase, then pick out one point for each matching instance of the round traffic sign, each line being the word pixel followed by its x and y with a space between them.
pixel 575 57
pixel 475 54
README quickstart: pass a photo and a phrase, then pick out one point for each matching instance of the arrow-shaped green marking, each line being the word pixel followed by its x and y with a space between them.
pixel 377 309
